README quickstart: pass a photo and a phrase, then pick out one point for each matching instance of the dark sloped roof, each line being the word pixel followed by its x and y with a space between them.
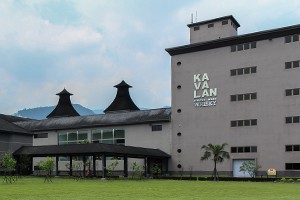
pixel 110 119
pixel 11 118
pixel 11 127
pixel 64 107
pixel 122 101
pixel 262 35
pixel 91 149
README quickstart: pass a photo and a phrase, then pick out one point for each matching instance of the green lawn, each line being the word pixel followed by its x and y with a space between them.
pixel 64 188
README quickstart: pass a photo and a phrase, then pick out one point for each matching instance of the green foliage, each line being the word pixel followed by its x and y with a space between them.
pixel 250 167
pixel 137 170
pixel 8 164
pixel 283 179
pixel 47 165
pixel 111 168
pixel 156 170
pixel 217 153
pixel 290 180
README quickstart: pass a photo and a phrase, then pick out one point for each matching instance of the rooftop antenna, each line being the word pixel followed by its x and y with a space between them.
pixel 196 16
pixel 192 18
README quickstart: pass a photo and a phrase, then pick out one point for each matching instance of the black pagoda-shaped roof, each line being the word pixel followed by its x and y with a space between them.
pixel 64 107
pixel 122 101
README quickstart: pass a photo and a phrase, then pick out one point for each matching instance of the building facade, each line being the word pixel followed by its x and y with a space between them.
pixel 238 89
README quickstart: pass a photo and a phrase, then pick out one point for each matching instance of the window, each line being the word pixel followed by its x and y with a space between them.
pixel 108 136
pixel 292 120
pixel 157 127
pixel 72 137
pixel 245 149
pixel 240 123
pixel 179 110
pixel 243 46
pixel 178 134
pixel 196 28
pixel 210 25
pixel 292 166
pixel 292 64
pixel 179 150
pixel 243 97
pixel 178 87
pixel 288 92
pixel 242 71
pixel 178 63
pixel 289 148
pixel 41 135
pixel 224 22
pixel 291 38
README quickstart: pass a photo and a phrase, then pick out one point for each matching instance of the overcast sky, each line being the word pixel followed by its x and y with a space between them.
pixel 88 46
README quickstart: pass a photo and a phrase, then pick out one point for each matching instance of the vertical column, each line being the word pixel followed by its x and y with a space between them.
pixel 71 166
pixel 125 166
pixel 167 165
pixel 103 166
pixel 145 167
pixel 94 166
pixel 56 165
pixel 148 166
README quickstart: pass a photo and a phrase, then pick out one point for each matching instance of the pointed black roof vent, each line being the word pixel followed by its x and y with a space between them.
pixel 64 107
pixel 122 101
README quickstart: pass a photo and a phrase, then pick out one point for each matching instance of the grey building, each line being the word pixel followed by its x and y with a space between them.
pixel 238 89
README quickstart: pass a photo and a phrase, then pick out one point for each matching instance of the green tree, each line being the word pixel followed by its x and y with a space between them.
pixel 8 163
pixel 111 168
pixel 47 165
pixel 217 153
pixel 137 170
pixel 250 167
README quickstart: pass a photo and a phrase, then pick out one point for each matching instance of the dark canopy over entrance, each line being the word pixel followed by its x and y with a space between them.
pixel 96 150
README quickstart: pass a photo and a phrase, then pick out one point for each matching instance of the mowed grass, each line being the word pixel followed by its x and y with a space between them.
pixel 64 188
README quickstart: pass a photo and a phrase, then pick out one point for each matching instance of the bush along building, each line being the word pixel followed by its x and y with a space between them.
pixel 242 90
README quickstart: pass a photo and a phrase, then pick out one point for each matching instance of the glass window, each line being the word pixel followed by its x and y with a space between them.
pixel 296 119
pixel 119 133
pixel 196 28
pixel 247 149
pixel 247 96
pixel 296 91
pixel 233 72
pixel 240 47
pixel 240 122
pixel 253 70
pixel 288 120
pixel 254 149
pixel 233 124
pixel 240 71
pixel 224 22
pixel 296 147
pixel 240 97
pixel 72 136
pixel 157 127
pixel 253 122
pixel 96 135
pixel 253 95
pixel 107 134
pixel 253 45
pixel 233 149
pixel 288 92
pixel 232 97
pixel 287 39
pixel 288 65
pixel 82 136
pixel 233 48
pixel 246 46
pixel 247 70
pixel 107 141
pixel 295 64
pixel 295 38
pixel 247 123
pixel 289 148
pixel 240 149
pixel 210 25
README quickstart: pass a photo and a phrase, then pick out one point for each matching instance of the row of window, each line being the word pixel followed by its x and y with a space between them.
pixel 291 38
pixel 292 64
pixel 197 28
pixel 243 97
pixel 292 148
pixel 292 166
pixel 292 92
pixel 244 46
pixel 247 122
pixel 246 149
pixel 292 119
pixel 242 71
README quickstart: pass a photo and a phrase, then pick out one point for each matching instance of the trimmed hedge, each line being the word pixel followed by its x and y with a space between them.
pixel 220 179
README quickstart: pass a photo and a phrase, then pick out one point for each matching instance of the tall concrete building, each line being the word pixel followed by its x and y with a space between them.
pixel 238 89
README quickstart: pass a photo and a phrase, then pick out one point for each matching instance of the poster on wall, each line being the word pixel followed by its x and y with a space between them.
pixel 204 96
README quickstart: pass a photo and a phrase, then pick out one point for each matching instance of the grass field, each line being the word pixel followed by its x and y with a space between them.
pixel 64 188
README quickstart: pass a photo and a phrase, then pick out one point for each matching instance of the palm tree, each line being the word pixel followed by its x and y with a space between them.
pixel 217 153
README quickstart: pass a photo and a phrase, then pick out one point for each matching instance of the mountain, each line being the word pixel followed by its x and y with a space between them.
pixel 42 112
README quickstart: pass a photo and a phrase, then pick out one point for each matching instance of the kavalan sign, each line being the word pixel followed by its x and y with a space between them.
pixel 204 96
